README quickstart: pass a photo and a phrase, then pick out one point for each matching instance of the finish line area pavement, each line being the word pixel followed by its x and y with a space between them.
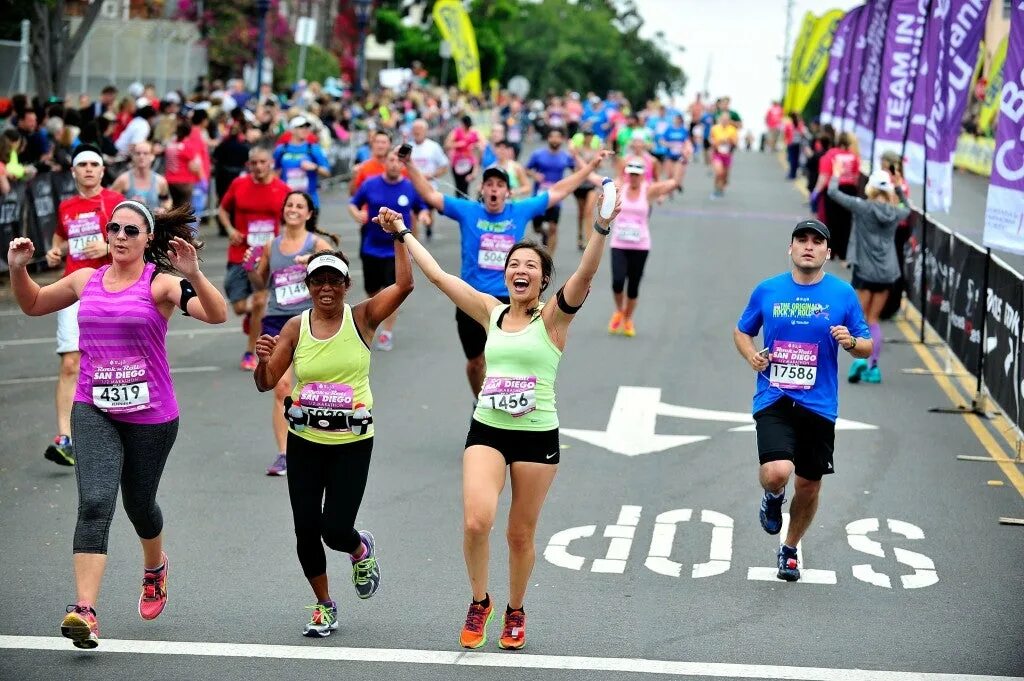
pixel 650 558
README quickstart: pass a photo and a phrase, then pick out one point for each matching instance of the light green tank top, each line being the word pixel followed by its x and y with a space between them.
pixel 519 387
pixel 332 376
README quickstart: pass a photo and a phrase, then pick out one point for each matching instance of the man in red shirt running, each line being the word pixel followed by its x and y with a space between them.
pixel 80 240
pixel 251 213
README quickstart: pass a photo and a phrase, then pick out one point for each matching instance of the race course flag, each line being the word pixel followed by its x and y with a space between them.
pixel 1004 214
pixel 809 65
pixel 834 99
pixel 455 26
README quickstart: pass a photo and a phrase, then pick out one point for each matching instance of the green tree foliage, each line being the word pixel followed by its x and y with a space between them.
pixel 558 45
pixel 320 65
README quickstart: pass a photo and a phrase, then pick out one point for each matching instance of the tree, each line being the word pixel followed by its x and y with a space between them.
pixel 53 47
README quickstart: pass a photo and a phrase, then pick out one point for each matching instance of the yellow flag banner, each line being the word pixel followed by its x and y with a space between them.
pixel 990 107
pixel 813 62
pixel 455 26
pixel 806 28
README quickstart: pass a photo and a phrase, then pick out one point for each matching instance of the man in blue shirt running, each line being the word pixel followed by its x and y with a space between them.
pixel 300 162
pixel 805 315
pixel 548 166
pixel 489 228
pixel 376 247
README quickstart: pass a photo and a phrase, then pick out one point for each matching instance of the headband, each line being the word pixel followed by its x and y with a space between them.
pixel 87 155
pixel 139 208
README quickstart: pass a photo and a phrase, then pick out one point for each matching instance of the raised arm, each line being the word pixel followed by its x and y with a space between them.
pixel 33 299
pixel 576 288
pixel 384 303
pixel 850 203
pixel 568 185
pixel 275 354
pixel 207 305
pixel 663 187
pixel 474 303
pixel 430 196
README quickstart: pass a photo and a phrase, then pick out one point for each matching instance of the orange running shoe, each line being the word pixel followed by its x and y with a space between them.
pixel 81 627
pixel 474 632
pixel 627 328
pixel 513 631
pixel 615 324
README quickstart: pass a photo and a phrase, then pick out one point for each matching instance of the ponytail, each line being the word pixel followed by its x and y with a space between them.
pixel 176 222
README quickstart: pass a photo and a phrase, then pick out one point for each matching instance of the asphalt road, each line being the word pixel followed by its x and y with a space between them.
pixel 649 562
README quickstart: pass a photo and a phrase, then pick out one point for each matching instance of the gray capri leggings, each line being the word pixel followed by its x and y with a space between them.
pixel 109 453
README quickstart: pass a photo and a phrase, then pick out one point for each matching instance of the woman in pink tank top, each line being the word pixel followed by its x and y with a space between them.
pixel 125 416
pixel 631 239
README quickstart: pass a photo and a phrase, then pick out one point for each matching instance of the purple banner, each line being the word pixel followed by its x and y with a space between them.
pixel 871 74
pixel 849 89
pixel 838 66
pixel 1004 214
pixel 904 40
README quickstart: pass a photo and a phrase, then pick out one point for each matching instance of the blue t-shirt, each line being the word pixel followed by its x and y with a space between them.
pixel 374 193
pixel 599 122
pixel 657 125
pixel 551 164
pixel 489 157
pixel 288 159
pixel 796 319
pixel 488 237
pixel 672 141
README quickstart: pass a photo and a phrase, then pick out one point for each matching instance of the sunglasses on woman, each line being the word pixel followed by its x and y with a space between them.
pixel 130 231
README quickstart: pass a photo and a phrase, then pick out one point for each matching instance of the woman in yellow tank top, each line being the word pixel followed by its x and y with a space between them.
pixel 330 420
pixel 515 424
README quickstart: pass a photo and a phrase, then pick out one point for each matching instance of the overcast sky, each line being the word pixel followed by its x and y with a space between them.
pixel 741 39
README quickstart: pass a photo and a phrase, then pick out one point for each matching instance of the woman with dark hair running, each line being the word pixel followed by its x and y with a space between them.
pixel 125 415
pixel 330 419
pixel 283 267
pixel 515 424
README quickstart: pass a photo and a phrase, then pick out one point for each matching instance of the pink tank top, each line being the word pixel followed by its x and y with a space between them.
pixel 122 336
pixel 630 230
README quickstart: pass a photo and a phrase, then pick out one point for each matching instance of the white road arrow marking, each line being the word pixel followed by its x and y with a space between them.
pixel 630 429
pixel 631 425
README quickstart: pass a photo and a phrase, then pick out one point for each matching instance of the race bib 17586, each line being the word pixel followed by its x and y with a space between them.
pixel 793 365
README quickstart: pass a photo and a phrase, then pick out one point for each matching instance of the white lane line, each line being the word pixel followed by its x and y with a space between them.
pixel 470 659
pixel 50 379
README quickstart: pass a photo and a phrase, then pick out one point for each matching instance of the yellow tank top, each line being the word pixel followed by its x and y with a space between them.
pixel 332 377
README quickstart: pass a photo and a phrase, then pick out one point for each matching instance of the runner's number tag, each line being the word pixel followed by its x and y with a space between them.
pixel 83 231
pixel 494 249
pixel 630 232
pixel 119 386
pixel 297 179
pixel 290 285
pixel 260 232
pixel 514 396
pixel 794 366
pixel 323 401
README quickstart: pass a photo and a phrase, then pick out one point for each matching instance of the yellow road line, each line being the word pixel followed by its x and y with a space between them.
pixel 993 448
pixel 968 382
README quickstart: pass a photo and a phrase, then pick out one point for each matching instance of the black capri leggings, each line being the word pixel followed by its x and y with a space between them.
pixel 461 184
pixel 628 264
pixel 325 485
pixel 109 452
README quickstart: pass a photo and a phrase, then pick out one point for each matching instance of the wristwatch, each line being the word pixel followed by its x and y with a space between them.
pixel 852 345
pixel 400 235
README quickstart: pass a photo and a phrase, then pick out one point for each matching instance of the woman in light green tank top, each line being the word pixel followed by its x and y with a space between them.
pixel 330 420
pixel 515 424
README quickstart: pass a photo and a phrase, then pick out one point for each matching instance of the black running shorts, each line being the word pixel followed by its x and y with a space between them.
pixel 471 334
pixel 787 431
pixel 517 445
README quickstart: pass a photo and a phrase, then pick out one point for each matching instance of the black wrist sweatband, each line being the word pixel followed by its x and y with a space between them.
pixel 601 230
pixel 400 235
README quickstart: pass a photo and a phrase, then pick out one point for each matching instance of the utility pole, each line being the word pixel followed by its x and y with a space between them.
pixel 786 47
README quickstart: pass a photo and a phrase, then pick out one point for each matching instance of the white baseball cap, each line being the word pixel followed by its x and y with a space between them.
pixel 635 168
pixel 298 122
pixel 880 179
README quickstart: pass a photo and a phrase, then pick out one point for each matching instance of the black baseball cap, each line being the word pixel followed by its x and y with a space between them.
pixel 495 171
pixel 812 226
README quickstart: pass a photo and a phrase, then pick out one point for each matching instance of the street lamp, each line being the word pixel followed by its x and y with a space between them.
pixel 262 7
pixel 364 10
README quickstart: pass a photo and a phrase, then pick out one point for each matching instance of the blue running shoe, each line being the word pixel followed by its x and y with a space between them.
pixel 857 370
pixel 771 512
pixel 873 375
pixel 789 569
pixel 366 572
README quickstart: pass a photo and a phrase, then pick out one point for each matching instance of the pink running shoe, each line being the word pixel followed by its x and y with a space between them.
pixel 81 627
pixel 154 592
